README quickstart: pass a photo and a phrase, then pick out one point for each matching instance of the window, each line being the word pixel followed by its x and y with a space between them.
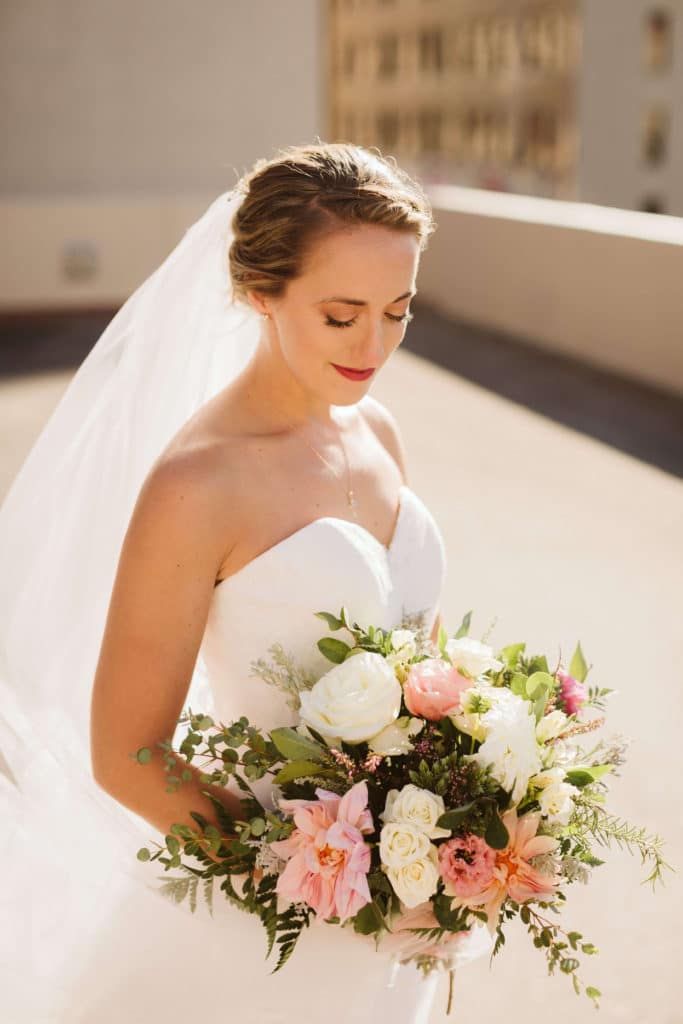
pixel 387 56
pixel 655 135
pixel 658 37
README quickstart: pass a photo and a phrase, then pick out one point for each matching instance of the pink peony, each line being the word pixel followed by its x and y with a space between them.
pixel 466 865
pixel 433 688
pixel 327 857
pixel 573 692
pixel 512 874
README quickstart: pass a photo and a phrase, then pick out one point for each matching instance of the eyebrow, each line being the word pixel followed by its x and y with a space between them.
pixel 361 302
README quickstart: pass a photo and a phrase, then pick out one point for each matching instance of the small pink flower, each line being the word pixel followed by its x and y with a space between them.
pixel 327 858
pixel 433 688
pixel 466 865
pixel 573 692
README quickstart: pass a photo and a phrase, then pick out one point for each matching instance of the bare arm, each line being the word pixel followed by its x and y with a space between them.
pixel 157 614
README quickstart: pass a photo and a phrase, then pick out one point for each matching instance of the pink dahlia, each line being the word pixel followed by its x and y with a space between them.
pixel 512 873
pixel 327 858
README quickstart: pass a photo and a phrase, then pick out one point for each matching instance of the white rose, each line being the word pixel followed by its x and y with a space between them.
pixel 418 807
pixel 403 640
pixel 395 738
pixel 555 796
pixel 472 655
pixel 415 882
pixel 401 843
pixel 557 804
pixel 404 646
pixel 354 700
pixel 550 725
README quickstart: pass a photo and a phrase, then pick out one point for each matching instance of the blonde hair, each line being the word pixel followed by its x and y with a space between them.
pixel 306 192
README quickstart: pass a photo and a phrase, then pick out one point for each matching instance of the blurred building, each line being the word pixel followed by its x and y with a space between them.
pixel 570 99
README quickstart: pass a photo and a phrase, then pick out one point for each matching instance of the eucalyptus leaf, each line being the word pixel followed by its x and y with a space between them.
pixel 511 653
pixel 369 919
pixel 496 835
pixel 332 621
pixel 454 818
pixel 296 747
pixel 144 755
pixel 583 775
pixel 537 683
pixel 333 649
pixel 295 769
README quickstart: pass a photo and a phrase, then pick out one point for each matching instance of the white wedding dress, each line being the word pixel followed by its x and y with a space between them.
pixel 148 960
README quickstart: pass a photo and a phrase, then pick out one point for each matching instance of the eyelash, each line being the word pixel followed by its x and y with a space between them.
pixel 406 318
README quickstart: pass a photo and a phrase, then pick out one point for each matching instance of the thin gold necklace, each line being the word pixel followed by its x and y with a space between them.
pixel 350 497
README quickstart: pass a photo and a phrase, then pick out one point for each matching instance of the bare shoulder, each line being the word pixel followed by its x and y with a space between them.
pixel 188 494
pixel 385 426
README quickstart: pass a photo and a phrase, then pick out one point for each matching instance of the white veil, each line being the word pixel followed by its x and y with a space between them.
pixel 66 847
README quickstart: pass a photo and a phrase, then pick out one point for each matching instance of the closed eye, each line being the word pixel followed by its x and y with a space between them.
pixel 404 319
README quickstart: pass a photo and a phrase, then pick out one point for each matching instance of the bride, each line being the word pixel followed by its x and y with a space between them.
pixel 216 472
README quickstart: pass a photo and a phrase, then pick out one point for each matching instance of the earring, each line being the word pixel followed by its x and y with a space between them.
pixel 265 316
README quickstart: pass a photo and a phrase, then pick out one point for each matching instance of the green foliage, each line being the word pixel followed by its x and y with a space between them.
pixel 293 746
pixel 333 649
pixel 369 919
pixel 464 627
pixel 607 828
pixel 284 673
pixel 577 666
pixel 297 769
pixel 584 775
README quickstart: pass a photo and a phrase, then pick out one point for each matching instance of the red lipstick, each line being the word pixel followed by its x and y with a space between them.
pixel 352 374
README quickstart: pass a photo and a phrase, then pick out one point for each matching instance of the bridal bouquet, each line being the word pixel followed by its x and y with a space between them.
pixel 425 787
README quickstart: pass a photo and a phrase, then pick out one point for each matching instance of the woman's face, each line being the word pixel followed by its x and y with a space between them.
pixel 349 307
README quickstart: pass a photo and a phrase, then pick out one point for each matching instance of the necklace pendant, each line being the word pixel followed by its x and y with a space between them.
pixel 352 500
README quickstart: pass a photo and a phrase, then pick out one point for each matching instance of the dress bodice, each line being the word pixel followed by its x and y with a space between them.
pixel 328 563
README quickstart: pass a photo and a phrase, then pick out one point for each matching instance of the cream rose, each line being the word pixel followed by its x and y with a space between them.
pixel 416 806
pixel 472 655
pixel 555 796
pixel 551 725
pixel 354 700
pixel 400 843
pixel 395 738
pixel 404 646
pixel 417 881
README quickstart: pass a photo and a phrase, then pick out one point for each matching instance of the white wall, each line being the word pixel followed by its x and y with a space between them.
pixel 160 97
pixel 615 91
pixel 600 284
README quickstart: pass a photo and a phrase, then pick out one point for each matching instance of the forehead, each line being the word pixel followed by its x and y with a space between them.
pixel 362 259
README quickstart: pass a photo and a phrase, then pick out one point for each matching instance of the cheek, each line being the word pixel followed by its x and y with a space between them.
pixel 308 346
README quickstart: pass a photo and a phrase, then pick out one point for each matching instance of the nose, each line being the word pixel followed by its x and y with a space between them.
pixel 372 351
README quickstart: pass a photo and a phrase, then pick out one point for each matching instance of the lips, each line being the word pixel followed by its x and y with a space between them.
pixel 351 374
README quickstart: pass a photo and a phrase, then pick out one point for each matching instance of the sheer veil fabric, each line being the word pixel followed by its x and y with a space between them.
pixel 64 844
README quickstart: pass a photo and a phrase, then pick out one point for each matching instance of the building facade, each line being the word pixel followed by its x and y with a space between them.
pixel 516 95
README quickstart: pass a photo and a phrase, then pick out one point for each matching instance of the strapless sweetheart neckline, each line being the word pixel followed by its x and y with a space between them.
pixel 337 521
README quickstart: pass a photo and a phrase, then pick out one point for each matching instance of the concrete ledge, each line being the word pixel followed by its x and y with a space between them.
pixel 601 284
